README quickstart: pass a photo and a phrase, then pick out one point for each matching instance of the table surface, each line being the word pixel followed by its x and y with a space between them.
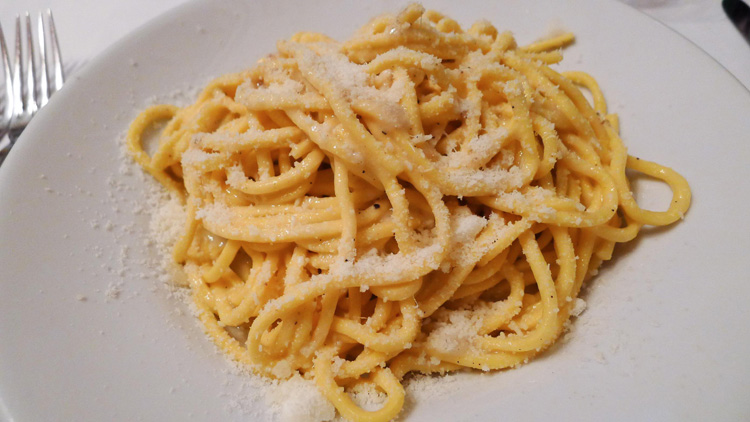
pixel 87 27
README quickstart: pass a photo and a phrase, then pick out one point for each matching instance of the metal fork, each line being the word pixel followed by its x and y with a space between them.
pixel 28 88
pixel 7 98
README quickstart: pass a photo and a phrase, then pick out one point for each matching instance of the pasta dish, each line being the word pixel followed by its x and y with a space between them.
pixel 419 198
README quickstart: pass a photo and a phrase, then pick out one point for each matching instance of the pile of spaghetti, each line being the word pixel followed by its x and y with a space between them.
pixel 417 198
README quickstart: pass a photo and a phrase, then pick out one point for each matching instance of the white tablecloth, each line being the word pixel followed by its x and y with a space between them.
pixel 87 27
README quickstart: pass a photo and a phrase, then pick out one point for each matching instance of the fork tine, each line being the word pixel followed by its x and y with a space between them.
pixel 30 91
pixel 43 91
pixel 7 97
pixel 17 70
pixel 58 75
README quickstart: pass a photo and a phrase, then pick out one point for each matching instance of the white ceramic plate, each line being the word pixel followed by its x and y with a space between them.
pixel 663 337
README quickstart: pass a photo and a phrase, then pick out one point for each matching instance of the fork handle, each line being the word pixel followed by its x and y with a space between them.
pixel 13 135
pixel 5 145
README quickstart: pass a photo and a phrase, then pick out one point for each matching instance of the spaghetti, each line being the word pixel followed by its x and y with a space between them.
pixel 417 198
